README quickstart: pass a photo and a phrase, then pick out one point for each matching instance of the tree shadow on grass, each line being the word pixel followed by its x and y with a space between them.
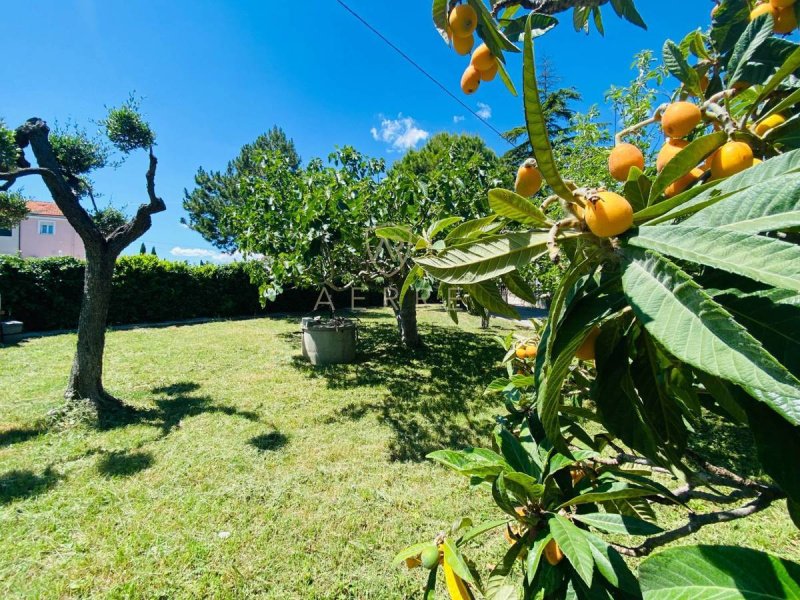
pixel 17 435
pixel 124 463
pixel 24 483
pixel 176 403
pixel 435 393
pixel 269 442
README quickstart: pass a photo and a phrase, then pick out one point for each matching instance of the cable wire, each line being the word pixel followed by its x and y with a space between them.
pixel 423 71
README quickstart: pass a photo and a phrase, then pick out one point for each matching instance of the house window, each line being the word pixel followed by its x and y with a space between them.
pixel 5 232
pixel 47 228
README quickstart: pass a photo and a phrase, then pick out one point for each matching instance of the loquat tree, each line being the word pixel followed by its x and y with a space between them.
pixel 65 158
pixel 678 310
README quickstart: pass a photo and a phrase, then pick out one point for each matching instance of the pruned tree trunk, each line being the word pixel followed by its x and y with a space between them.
pixel 406 317
pixel 485 315
pixel 86 378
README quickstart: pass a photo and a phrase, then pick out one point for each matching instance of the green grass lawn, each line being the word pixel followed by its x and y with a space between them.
pixel 247 473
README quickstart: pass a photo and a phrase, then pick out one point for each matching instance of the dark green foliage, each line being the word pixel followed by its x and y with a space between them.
pixel 76 151
pixel 126 128
pixel 217 192
pixel 108 219
pixel 45 293
pixel 12 209
pixel 142 249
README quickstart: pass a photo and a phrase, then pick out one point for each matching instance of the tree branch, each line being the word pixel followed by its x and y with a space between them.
pixel 545 7
pixel 141 222
pixel 11 177
pixel 698 521
pixel 36 133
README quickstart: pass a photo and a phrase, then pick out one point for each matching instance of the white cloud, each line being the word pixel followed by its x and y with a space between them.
pixel 484 111
pixel 205 254
pixel 457 119
pixel 401 133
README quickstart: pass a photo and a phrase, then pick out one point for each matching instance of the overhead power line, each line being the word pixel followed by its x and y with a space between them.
pixel 423 71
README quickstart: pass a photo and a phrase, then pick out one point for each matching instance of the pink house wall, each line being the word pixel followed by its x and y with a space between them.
pixel 65 241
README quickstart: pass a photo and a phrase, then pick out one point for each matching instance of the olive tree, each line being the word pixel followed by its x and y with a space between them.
pixel 64 160
pixel 679 309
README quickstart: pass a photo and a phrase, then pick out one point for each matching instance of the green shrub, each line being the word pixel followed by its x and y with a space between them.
pixel 45 293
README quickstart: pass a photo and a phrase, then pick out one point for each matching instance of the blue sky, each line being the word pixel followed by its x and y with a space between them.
pixel 216 74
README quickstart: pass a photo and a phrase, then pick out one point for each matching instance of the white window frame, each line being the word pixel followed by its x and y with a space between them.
pixel 47 222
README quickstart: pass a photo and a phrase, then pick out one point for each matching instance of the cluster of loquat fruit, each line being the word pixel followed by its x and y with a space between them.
pixel 483 65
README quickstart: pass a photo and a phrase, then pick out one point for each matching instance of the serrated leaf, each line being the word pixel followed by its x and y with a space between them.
pixel 535 553
pixel 469 228
pixel 479 530
pixel 696 199
pixel 694 328
pixel 397 233
pixel 757 32
pixel 512 451
pixel 536 122
pixel 532 488
pixel 574 545
pixel 473 462
pixel 615 523
pixel 517 285
pixel 441 225
pixel 679 67
pixel 487 258
pixel 410 552
pixel 606 491
pixel 790 65
pixel 627 10
pixel 513 206
pixel 612 566
pixel 488 296
pixel 763 259
pixel 768 206
pixel 716 573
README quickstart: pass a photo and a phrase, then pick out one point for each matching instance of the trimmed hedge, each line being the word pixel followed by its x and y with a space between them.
pixel 45 293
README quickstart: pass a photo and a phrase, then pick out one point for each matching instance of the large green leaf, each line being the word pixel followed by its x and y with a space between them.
pixel 472 228
pixel 612 566
pixel 513 206
pixel 454 558
pixel 513 451
pixel 694 328
pixel 627 10
pixel 607 491
pixel 763 259
pixel 773 204
pixel 758 31
pixel 695 199
pixel 517 285
pixel 718 573
pixel 535 553
pixel 441 225
pixel 614 523
pixel 536 121
pixel 773 317
pixel 473 462
pixel 397 233
pixel 574 545
pixel 686 160
pixel 679 67
pixel 487 295
pixel 486 258
pixel 414 274
pixel 791 65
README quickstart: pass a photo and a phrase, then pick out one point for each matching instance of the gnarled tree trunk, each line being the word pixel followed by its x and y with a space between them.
pixel 86 378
